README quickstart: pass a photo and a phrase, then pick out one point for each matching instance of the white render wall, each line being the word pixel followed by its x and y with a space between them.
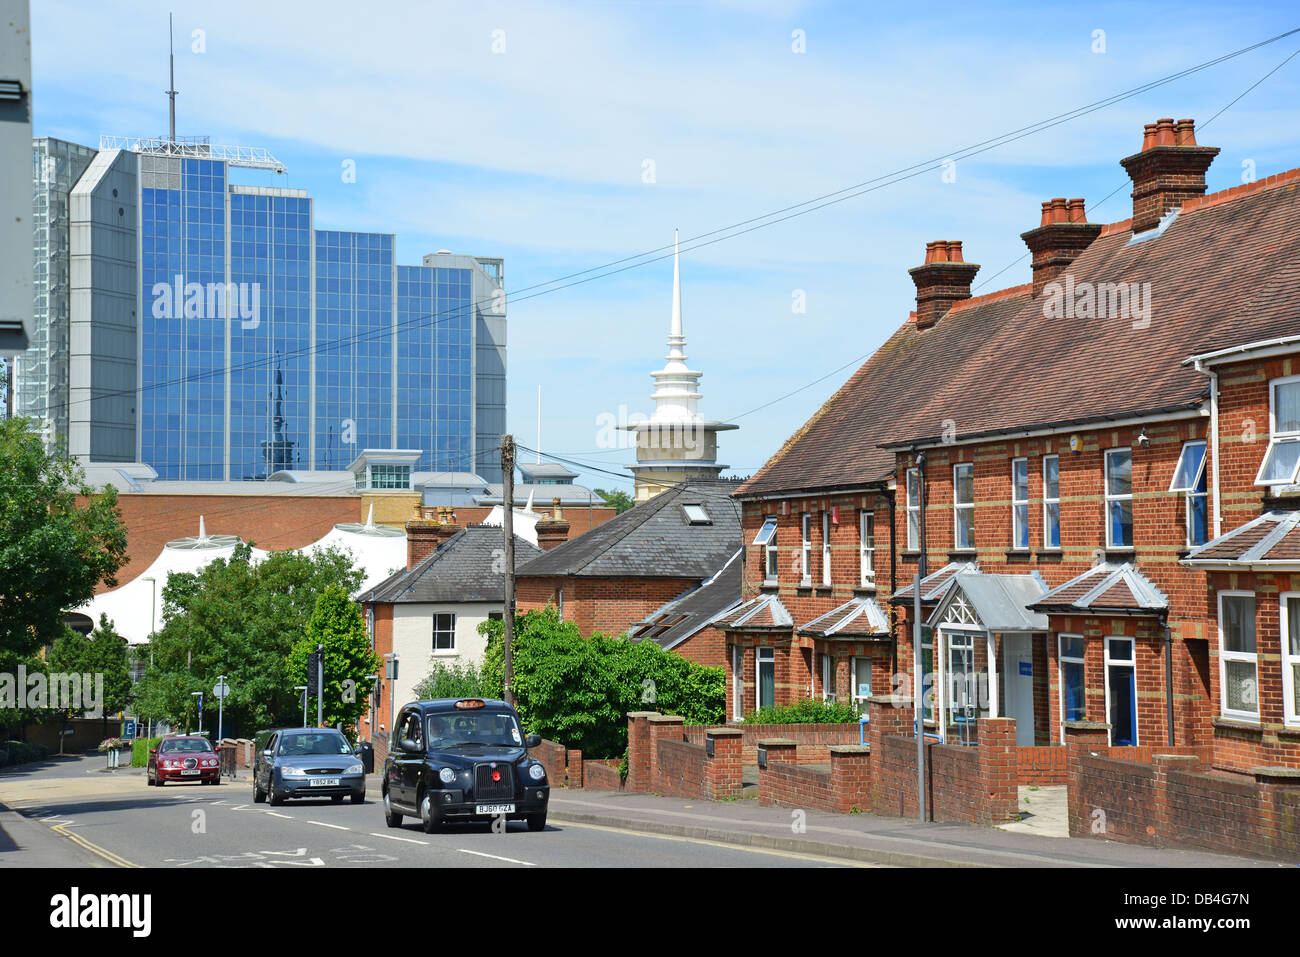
pixel 413 640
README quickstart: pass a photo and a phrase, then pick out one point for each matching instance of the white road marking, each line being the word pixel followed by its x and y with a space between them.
pixel 496 857
pixel 285 816
pixel 337 827
pixel 394 837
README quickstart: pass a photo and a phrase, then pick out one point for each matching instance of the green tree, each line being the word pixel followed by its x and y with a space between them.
pixel 579 690
pixel 336 624
pixel 102 653
pixel 620 500
pixel 452 681
pixel 58 541
pixel 241 620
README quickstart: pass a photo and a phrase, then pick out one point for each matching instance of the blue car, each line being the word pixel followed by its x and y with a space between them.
pixel 308 763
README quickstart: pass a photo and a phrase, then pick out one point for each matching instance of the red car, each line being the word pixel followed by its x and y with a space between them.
pixel 183 757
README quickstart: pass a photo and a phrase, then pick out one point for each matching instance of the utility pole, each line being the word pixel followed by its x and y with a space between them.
pixel 508 521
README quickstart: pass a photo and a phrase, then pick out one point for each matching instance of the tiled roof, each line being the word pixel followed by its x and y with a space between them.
pixel 467 567
pixel 1271 540
pixel 856 618
pixel 1224 271
pixel 653 540
pixel 762 613
pixel 934 584
pixel 1106 587
pixel 673 623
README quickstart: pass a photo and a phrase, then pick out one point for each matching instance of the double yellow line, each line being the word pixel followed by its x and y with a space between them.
pixel 91 846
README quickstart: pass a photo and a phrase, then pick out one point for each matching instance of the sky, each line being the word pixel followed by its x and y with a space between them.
pixel 562 136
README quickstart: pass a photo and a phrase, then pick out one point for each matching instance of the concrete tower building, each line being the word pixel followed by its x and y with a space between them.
pixel 675 444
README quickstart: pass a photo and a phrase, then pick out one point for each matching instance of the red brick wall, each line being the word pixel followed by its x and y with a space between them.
pixel 606 605
pixel 271 522
pixel 789 785
pixel 600 777
pixel 708 646
pixel 681 769
pixel 813 740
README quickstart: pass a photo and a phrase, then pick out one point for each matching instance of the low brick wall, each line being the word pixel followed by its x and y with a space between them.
pixel 839 786
pixel 789 785
pixel 681 769
pixel 964 785
pixel 662 761
pixel 814 740
pixel 1177 800
pixel 1042 765
pixel 600 776
pixel 555 758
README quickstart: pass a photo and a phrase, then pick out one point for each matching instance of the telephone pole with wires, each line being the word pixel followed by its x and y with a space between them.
pixel 508 523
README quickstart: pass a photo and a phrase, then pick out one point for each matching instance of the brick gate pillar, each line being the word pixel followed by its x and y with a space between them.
pixel 722 768
pixel 1082 738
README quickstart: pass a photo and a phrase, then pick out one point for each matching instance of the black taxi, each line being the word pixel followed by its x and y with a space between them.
pixel 462 759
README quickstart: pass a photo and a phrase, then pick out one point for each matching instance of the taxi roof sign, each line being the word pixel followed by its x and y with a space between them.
pixel 470 703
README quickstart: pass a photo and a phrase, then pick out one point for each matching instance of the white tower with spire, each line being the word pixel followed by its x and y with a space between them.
pixel 675 443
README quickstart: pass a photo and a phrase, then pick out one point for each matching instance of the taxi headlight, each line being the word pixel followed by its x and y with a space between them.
pixel 447 776
pixel 537 772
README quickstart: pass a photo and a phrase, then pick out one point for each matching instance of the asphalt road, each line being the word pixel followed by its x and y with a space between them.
pixel 120 820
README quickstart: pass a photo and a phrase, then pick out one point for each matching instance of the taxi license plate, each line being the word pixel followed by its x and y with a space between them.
pixel 189 771
pixel 324 782
pixel 494 809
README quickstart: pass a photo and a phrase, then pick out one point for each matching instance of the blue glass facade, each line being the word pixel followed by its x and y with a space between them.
pixel 266 344
pixel 434 368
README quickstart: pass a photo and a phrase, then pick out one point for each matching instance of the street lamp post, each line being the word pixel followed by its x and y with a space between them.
pixel 199 695
pixel 374 694
pixel 303 689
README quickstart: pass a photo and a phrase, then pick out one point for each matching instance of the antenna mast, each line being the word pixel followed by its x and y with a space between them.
pixel 171 93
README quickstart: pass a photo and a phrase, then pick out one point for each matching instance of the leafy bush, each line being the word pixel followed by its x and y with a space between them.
pixel 140 749
pixel 20 752
pixel 579 690
pixel 805 711
pixel 452 681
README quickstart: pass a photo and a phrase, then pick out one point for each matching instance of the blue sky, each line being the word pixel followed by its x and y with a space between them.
pixel 535 152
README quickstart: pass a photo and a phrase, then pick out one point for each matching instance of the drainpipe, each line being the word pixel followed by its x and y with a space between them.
pixel 1169 676
pixel 919 694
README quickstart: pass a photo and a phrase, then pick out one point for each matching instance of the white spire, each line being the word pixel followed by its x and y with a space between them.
pixel 675 338
pixel 676 386
pixel 529 507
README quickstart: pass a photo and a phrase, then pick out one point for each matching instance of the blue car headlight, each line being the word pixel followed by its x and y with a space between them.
pixel 354 769
pixel 291 772
pixel 536 772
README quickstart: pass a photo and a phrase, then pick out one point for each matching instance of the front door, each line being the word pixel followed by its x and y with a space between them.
pixel 1018 680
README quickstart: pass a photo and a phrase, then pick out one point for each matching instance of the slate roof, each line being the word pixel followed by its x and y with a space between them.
pixel 467 567
pixel 856 618
pixel 1225 270
pixel 761 613
pixel 1107 587
pixel 934 584
pixel 653 540
pixel 1270 541
pixel 691 612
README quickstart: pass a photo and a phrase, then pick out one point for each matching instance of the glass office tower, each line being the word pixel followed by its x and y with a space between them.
pixel 264 344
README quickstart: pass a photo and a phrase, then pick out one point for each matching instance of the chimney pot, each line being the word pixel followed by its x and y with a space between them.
pixel 1059 213
pixel 942 280
pixel 1047 213
pixel 1078 214
pixel 1168 171
pixel 1165 132
pixel 1148 137
pixel 1186 132
pixel 954 251
pixel 1063 235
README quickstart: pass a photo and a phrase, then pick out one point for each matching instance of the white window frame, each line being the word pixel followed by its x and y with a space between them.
pixel 1130 663
pixel 805 548
pixel 1192 488
pixel 435 631
pixel 828 677
pixel 1112 499
pixel 1061 659
pixel 959 507
pixel 856 666
pixel 1276 438
pixel 1225 656
pixel 761 654
pixel 766 539
pixel 1019 525
pixel 737 682
pixel 1290 662
pixel 867 547
pixel 826 549
pixel 1049 501
pixel 912 491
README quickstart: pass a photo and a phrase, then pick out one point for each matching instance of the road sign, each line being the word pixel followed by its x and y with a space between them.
pixel 128 729
pixel 221 689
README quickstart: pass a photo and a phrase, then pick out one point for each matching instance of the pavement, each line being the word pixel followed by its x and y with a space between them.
pixel 73 813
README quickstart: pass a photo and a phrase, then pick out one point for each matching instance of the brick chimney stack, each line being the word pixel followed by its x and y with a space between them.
pixel 1167 171
pixel 1062 235
pixel 424 535
pixel 554 530
pixel 942 280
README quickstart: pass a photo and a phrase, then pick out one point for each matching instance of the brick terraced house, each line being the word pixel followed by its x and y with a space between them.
pixel 1093 474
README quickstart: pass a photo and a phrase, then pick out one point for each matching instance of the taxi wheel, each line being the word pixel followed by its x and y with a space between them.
pixel 537 822
pixel 391 817
pixel 427 819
